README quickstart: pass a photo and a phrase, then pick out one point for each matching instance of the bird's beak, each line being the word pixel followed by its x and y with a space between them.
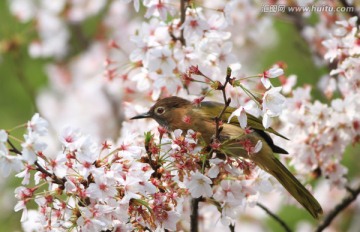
pixel 144 115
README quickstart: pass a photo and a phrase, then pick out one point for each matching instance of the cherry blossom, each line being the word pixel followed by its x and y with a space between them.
pixel 194 25
pixel 109 175
pixel 37 125
pixel 104 186
pixel 274 101
pixel 157 8
pixel 199 185
pixel 241 115
pixel 271 73
pixel 273 104
pixel 9 163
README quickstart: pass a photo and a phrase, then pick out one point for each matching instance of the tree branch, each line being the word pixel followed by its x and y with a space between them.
pixel 13 148
pixel 194 214
pixel 226 103
pixel 275 217
pixel 55 179
pixel 232 227
pixel 182 20
pixel 353 193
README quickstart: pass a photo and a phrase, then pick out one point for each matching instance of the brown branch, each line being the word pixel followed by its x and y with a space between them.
pixel 275 217
pixel 39 168
pixel 194 214
pixel 13 148
pixel 181 38
pixel 353 193
pixel 232 227
pixel 183 7
pixel 226 101
pixel 54 178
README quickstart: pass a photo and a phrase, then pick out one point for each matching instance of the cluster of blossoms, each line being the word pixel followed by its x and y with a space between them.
pixel 54 22
pixel 83 184
pixel 165 50
pixel 159 52
pixel 324 131
pixel 87 186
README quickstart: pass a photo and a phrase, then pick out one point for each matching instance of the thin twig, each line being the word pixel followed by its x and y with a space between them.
pixel 56 179
pixel 353 193
pixel 13 148
pixel 275 217
pixel 226 103
pixel 183 7
pixel 194 214
pixel 232 227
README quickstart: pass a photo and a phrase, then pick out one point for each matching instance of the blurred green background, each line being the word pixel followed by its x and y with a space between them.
pixel 21 77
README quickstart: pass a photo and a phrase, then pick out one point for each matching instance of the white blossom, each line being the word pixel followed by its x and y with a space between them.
pixel 199 185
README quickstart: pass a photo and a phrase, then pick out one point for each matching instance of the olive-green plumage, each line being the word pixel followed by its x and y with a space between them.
pixel 178 113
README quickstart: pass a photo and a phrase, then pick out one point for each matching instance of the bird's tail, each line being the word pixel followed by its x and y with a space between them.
pixel 293 186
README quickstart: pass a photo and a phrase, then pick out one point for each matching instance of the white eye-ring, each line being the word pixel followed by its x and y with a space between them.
pixel 160 110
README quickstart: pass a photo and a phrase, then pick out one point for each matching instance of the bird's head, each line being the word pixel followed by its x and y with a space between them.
pixel 167 111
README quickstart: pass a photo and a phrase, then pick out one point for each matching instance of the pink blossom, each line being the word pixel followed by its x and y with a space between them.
pixel 170 221
pixel 241 115
pixel 37 125
pixel 69 138
pixel 25 174
pixel 229 191
pixel 104 186
pixel 157 8
pixel 194 25
pixel 32 145
pixel 271 73
pixel 23 195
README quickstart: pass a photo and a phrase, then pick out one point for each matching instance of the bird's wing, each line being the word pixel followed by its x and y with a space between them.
pixel 211 109
pixel 214 108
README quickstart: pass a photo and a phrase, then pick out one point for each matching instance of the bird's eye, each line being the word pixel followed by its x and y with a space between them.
pixel 160 110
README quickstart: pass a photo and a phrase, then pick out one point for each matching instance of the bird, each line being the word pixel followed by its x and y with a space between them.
pixel 178 113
